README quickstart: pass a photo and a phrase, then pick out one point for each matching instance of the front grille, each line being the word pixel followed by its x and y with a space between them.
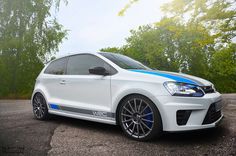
pixel 208 89
pixel 182 116
pixel 212 115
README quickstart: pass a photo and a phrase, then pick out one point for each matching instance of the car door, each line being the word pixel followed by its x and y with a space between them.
pixel 53 78
pixel 85 91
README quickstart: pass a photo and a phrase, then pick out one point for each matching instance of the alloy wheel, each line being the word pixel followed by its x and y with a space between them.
pixel 137 118
pixel 39 106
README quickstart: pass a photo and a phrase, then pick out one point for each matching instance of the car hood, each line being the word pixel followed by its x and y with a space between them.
pixel 178 77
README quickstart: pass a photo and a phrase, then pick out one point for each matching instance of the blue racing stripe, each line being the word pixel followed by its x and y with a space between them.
pixel 54 106
pixel 173 77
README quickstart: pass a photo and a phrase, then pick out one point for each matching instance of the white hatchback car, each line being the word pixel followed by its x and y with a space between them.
pixel 115 89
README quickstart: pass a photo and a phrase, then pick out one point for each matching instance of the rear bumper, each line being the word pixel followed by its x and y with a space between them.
pixel 204 112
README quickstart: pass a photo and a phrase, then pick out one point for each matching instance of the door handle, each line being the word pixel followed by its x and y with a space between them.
pixel 63 82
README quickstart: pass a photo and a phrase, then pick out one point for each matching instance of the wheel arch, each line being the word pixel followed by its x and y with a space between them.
pixel 131 94
pixel 41 92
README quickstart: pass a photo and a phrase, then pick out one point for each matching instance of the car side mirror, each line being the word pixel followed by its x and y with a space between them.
pixel 98 71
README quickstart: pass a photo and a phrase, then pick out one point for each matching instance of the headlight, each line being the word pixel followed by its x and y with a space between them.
pixel 183 89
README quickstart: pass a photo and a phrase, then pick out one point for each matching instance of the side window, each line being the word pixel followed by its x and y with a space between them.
pixel 80 64
pixel 57 67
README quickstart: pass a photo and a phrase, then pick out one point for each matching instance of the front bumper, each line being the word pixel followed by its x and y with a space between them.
pixel 199 108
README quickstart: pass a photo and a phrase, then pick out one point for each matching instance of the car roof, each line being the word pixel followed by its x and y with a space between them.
pixel 71 54
pixel 76 53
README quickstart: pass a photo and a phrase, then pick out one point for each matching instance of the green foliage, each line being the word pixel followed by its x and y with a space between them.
pixel 111 49
pixel 126 7
pixel 218 16
pixel 28 36
pixel 223 68
pixel 195 37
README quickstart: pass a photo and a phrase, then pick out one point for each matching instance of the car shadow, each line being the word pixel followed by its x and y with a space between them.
pixel 194 137
pixel 205 136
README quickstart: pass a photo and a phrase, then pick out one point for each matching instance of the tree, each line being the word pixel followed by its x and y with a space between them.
pixel 218 16
pixel 223 68
pixel 28 34
pixel 111 49
pixel 126 7
pixel 194 37
pixel 171 46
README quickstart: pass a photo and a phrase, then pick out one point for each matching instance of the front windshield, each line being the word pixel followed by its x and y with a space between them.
pixel 124 61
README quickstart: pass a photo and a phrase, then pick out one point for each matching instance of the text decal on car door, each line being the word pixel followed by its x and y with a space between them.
pixel 99 113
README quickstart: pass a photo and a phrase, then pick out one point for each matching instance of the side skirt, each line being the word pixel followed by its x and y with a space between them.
pixel 97 116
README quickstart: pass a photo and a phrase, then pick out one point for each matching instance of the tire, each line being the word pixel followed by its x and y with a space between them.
pixel 40 108
pixel 139 118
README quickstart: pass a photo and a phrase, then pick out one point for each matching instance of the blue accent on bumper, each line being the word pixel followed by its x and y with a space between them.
pixel 54 106
pixel 173 77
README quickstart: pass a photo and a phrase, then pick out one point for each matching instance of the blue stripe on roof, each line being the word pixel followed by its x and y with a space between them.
pixel 173 77
pixel 54 106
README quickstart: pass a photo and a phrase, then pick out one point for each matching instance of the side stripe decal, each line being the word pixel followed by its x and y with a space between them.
pixel 54 106
pixel 173 77
pixel 83 111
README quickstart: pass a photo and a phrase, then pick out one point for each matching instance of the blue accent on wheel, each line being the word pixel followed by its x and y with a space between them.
pixel 173 77
pixel 54 106
pixel 148 117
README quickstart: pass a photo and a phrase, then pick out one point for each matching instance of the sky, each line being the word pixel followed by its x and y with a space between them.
pixel 95 24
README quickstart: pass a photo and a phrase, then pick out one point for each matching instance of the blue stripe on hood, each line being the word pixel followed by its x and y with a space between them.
pixel 173 77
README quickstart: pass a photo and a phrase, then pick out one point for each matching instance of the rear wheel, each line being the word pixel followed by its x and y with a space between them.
pixel 139 118
pixel 40 109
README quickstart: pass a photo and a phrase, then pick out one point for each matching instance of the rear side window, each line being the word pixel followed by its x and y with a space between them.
pixel 57 67
pixel 80 64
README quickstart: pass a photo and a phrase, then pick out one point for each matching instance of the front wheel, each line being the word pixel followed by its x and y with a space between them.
pixel 139 118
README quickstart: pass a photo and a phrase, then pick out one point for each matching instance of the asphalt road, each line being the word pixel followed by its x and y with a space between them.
pixel 22 134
